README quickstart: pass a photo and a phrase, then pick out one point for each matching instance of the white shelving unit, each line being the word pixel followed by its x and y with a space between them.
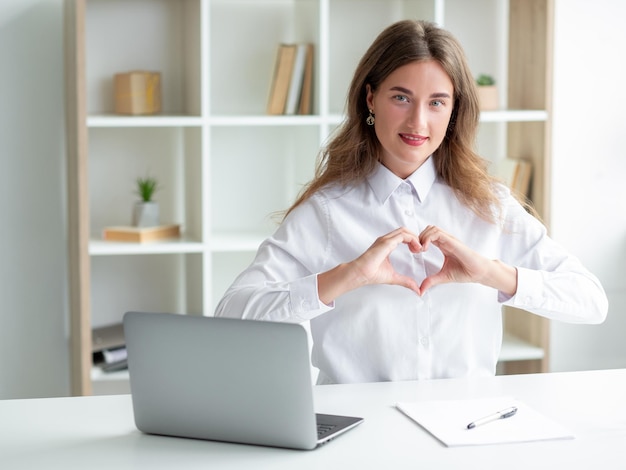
pixel 224 165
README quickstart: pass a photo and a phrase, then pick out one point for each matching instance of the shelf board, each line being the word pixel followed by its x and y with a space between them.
pixel 231 242
pixel 113 120
pixel 514 115
pixel 220 243
pixel 97 374
pixel 183 245
pixel 266 120
pixel 515 349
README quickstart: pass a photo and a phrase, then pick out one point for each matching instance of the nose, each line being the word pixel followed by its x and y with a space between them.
pixel 417 116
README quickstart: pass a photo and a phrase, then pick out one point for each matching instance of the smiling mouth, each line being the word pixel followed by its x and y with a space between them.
pixel 412 139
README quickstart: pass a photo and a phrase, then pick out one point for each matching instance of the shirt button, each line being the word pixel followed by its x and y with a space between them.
pixel 408 212
pixel 424 341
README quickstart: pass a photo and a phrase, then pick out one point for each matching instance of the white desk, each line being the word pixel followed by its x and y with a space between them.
pixel 99 432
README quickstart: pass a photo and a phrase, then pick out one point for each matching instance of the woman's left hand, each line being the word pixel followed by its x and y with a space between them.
pixel 462 264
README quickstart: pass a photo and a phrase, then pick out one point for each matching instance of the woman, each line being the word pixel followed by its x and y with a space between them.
pixel 402 249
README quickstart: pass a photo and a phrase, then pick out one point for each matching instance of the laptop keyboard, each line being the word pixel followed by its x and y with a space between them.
pixel 323 429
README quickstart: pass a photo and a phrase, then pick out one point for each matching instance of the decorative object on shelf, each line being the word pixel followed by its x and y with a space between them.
pixel 516 173
pixel 291 89
pixel 138 92
pixel 146 211
pixel 487 92
pixel 141 234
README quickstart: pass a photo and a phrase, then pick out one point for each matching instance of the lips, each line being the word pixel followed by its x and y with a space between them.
pixel 413 139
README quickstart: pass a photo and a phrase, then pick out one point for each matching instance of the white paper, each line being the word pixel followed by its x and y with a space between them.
pixel 447 420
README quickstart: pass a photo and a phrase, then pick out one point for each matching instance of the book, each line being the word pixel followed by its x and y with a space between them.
pixel 521 178
pixel 306 97
pixel 516 173
pixel 285 59
pixel 297 78
pixel 141 234
pixel 108 347
pixel 107 337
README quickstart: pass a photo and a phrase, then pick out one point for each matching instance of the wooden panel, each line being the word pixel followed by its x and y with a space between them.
pixel 78 198
pixel 530 78
pixel 528 60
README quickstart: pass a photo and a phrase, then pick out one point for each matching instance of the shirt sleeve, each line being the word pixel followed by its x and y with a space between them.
pixel 550 281
pixel 281 282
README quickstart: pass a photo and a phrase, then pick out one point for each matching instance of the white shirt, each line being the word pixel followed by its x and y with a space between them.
pixel 384 332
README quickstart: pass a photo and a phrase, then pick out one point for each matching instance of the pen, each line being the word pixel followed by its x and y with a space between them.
pixel 506 413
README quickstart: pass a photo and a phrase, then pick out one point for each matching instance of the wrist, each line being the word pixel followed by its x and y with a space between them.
pixel 337 281
pixel 502 277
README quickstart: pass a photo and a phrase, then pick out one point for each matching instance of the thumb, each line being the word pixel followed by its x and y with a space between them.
pixel 408 282
pixel 432 281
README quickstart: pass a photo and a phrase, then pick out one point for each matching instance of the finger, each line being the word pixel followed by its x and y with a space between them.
pixel 402 235
pixel 409 283
pixel 411 240
pixel 427 236
pixel 432 281
pixel 441 239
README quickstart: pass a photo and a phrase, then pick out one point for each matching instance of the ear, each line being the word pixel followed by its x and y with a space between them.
pixel 369 96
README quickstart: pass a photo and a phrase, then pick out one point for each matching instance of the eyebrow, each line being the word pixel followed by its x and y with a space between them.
pixel 406 91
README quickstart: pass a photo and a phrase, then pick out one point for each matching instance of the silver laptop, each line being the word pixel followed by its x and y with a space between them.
pixel 224 379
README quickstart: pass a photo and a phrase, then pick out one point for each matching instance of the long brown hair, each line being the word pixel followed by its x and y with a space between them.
pixel 354 150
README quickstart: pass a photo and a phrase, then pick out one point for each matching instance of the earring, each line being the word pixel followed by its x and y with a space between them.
pixel 370 119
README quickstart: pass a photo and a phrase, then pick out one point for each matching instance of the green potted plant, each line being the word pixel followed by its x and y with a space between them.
pixel 146 210
pixel 487 92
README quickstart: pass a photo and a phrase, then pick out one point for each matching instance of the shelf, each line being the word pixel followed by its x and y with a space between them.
pixel 265 120
pixel 100 247
pixel 234 242
pixel 224 165
pixel 513 349
pixel 514 115
pixel 143 121
pixel 98 375
pixel 220 243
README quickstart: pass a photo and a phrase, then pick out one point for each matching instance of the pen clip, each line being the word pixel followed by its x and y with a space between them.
pixel 508 413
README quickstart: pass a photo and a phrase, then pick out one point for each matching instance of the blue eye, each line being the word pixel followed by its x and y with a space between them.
pixel 400 98
pixel 437 103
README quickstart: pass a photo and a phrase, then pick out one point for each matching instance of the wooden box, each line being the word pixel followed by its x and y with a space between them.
pixel 138 92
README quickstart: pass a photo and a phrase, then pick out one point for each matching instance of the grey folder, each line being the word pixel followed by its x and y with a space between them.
pixel 225 379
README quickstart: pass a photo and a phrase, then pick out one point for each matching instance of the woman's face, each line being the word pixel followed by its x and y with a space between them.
pixel 412 106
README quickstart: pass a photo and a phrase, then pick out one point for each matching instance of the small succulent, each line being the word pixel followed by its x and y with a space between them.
pixel 146 187
pixel 485 80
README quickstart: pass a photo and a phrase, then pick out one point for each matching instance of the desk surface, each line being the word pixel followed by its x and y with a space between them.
pixel 99 432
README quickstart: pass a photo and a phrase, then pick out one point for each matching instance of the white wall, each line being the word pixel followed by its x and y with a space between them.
pixel 33 272
pixel 589 170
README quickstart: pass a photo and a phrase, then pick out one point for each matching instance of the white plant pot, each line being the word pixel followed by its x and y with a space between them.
pixel 146 214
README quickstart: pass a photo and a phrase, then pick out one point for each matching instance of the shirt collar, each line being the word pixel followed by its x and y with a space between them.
pixel 383 182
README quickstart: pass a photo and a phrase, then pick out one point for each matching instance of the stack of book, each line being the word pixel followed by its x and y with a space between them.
pixel 291 90
pixel 516 173
pixel 109 348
